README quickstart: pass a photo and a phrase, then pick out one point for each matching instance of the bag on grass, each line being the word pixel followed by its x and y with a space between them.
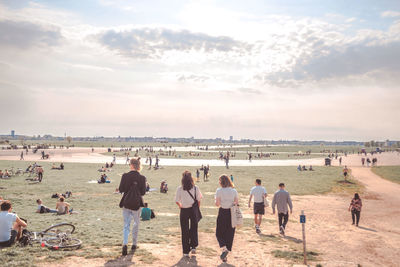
pixel 195 206
pixel 236 216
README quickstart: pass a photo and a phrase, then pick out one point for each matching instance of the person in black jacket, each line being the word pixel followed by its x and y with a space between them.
pixel 133 187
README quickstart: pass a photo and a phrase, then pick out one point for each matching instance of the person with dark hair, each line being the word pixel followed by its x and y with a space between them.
pixel 185 197
pixel 355 208
pixel 282 200
pixel 133 187
pixel 259 194
pixel 11 225
pixel 345 172
pixel 225 197
pixel 43 209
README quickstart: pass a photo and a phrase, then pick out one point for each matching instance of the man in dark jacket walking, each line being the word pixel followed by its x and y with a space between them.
pixel 133 186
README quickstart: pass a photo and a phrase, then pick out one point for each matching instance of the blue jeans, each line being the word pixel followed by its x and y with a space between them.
pixel 128 216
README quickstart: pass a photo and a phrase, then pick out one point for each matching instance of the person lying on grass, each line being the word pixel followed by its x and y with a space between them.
pixel 62 207
pixel 42 208
pixel 11 225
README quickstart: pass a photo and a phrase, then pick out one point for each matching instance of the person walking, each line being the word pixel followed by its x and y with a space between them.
pixel 197 175
pixel 363 161
pixel 225 197
pixel 150 162
pixel 40 172
pixel 345 172
pixel 186 196
pixel 282 200
pixel 133 187
pixel 22 155
pixel 355 208
pixel 259 193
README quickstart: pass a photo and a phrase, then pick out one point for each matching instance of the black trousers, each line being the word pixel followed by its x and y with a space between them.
pixel 40 176
pixel 225 233
pixel 355 216
pixel 188 230
pixel 283 217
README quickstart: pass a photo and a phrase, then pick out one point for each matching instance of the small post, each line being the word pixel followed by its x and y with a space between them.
pixel 303 227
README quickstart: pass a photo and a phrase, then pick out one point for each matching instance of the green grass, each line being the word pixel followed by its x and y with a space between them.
pixel 296 256
pixel 391 173
pixel 99 221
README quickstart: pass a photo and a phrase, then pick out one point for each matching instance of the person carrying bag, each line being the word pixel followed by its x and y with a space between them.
pixel 188 198
pixel 133 187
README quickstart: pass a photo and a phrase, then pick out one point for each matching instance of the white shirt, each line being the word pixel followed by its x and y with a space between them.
pixel 258 193
pixel 227 196
pixel 183 197
pixel 6 223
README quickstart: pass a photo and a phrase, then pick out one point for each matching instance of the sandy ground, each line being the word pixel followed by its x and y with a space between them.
pixel 376 242
pixel 84 155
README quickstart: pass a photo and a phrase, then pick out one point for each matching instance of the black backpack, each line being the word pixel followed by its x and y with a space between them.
pixel 132 199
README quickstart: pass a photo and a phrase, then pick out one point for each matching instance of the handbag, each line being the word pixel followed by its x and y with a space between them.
pixel 236 216
pixel 195 206
pixel 266 202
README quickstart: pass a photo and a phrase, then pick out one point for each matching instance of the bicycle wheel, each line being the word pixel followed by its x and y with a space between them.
pixel 62 242
pixel 60 228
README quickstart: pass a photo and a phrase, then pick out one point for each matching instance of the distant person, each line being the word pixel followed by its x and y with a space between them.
pixel 163 187
pixel 114 159
pixel 197 175
pixel 363 161
pixel 368 162
pixel 40 171
pixel 11 225
pixel 63 207
pixel 225 197
pixel 345 172
pixel 226 162
pixel 146 213
pixel 22 155
pixel 282 200
pixel 259 193
pixel 133 187
pixel 304 168
pixel 157 162
pixel 355 208
pixel 299 168
pixel 150 162
pixel 147 187
pixel 311 168
pixel 340 161
pixel 231 178
pixel 42 208
pixel 186 196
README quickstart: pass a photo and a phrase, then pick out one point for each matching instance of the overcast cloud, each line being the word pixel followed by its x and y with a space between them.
pixel 213 69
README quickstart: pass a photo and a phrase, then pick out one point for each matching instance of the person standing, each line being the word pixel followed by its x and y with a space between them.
pixel 340 161
pixel 114 159
pixel 22 155
pixel 40 172
pixel 198 175
pixel 363 161
pixel 156 166
pixel 282 200
pixel 259 193
pixel 355 208
pixel 150 162
pixel 133 187
pixel 345 172
pixel 225 197
pixel 185 197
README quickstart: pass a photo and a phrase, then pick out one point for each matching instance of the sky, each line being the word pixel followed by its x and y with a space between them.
pixel 259 69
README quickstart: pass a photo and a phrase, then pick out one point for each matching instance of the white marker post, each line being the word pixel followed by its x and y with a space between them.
pixel 303 227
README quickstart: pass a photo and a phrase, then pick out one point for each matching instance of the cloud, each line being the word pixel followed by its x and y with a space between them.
pixel 154 42
pixel 249 91
pixel 390 14
pixel 23 34
pixel 193 78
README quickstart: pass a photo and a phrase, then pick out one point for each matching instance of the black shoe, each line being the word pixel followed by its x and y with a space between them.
pixel 124 250
pixel 224 254
pixel 134 247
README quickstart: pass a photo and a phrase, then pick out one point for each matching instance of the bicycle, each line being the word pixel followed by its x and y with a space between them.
pixel 55 237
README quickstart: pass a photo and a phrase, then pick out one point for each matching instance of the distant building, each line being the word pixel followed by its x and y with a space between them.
pixel 231 138
pixel 12 133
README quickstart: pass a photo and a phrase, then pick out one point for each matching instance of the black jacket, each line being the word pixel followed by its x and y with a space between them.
pixel 127 182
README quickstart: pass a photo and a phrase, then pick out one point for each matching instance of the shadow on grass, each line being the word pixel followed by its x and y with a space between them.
pixel 367 229
pixel 345 182
pixel 224 264
pixel 290 238
pixel 122 261
pixel 186 261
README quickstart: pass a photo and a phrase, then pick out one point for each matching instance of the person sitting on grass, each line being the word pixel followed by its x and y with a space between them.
pixel 146 213
pixel 62 207
pixel 147 187
pixel 310 169
pixel 1 174
pixel 1 200
pixel 103 179
pixel 163 187
pixel 6 174
pixel 304 168
pixel 42 208
pixel 299 168
pixel 11 225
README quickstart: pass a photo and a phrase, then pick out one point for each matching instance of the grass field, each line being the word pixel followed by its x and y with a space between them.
pixel 99 219
pixel 391 173
pixel 296 148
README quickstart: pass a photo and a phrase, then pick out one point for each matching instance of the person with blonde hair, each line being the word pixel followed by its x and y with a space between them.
pixel 133 187
pixel 186 196
pixel 225 197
